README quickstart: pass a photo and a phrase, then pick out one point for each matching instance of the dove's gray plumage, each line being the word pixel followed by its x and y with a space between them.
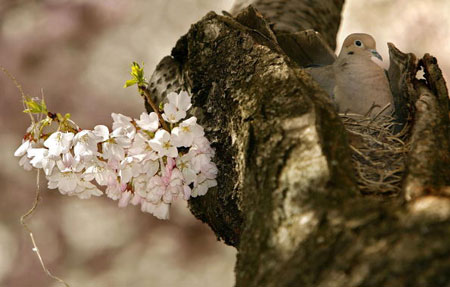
pixel 354 81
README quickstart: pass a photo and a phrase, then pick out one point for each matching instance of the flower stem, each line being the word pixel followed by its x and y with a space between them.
pixel 145 93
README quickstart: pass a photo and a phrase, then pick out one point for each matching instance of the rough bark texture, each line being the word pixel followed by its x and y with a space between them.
pixel 293 16
pixel 429 158
pixel 286 197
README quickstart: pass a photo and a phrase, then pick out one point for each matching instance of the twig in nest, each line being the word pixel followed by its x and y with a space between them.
pixel 379 157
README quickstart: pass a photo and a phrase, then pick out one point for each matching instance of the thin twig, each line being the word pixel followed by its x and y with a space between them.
pixel 38 193
pixel 148 98
pixel 35 247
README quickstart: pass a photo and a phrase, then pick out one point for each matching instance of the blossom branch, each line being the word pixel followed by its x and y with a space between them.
pixel 145 93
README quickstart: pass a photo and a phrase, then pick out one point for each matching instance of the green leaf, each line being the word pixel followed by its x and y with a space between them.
pixel 137 74
pixel 35 107
pixel 130 83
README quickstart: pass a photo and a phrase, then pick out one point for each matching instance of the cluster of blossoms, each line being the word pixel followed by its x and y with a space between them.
pixel 138 161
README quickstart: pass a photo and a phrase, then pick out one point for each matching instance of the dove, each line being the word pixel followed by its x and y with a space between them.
pixel 354 81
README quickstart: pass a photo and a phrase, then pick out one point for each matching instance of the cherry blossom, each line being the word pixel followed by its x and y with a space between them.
pixel 162 143
pixel 186 132
pixel 23 148
pixel 149 122
pixel 177 106
pixel 137 162
pixel 58 143
pixel 85 144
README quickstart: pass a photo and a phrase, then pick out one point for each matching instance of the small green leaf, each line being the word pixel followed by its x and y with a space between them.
pixel 137 74
pixel 130 83
pixel 35 107
pixel 60 117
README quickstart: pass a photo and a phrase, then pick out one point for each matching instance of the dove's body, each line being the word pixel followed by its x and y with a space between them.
pixel 355 82
pixel 360 84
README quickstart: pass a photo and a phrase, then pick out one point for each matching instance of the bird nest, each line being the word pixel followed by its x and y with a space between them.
pixel 378 153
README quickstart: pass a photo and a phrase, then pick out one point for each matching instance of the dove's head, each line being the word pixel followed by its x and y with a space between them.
pixel 360 44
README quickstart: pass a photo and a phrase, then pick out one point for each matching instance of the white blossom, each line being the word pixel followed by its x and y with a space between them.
pixel 159 210
pixel 23 148
pixel 181 100
pixel 66 182
pixel 202 184
pixel 129 168
pixel 85 189
pixel 122 125
pixel 148 122
pixel 99 171
pixel 185 165
pixel 177 106
pixel 85 144
pixel 58 142
pixel 25 163
pixel 162 143
pixel 102 132
pixel 186 132
pixel 146 165
pixel 22 151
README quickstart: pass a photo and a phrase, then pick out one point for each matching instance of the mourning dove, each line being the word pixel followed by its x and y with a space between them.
pixel 354 81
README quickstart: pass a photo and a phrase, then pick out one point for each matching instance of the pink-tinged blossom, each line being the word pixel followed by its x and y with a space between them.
pixel 162 143
pixel 125 198
pixel 185 165
pixel 205 180
pixel 159 210
pixel 202 184
pixel 174 187
pixel 66 182
pixel 136 166
pixel 85 190
pixel 148 122
pixel 25 163
pixel 99 171
pixel 114 189
pixel 201 145
pixel 137 199
pixel 199 161
pixel 155 190
pixel 58 142
pixel 129 168
pixel 186 132
pixel 187 191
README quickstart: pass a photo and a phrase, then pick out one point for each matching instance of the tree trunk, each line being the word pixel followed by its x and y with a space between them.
pixel 287 198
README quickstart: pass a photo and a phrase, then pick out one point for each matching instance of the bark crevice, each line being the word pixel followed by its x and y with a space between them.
pixel 286 195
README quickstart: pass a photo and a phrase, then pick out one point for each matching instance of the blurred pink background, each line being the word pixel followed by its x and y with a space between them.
pixel 77 53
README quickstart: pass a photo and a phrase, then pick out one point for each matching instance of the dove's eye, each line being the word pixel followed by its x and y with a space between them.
pixel 358 43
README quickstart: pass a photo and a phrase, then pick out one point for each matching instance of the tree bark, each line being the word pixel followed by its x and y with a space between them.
pixel 286 195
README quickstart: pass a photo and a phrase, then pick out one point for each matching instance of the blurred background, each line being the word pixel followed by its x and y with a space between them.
pixel 77 53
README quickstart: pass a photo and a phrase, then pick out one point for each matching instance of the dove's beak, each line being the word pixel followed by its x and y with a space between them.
pixel 375 54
